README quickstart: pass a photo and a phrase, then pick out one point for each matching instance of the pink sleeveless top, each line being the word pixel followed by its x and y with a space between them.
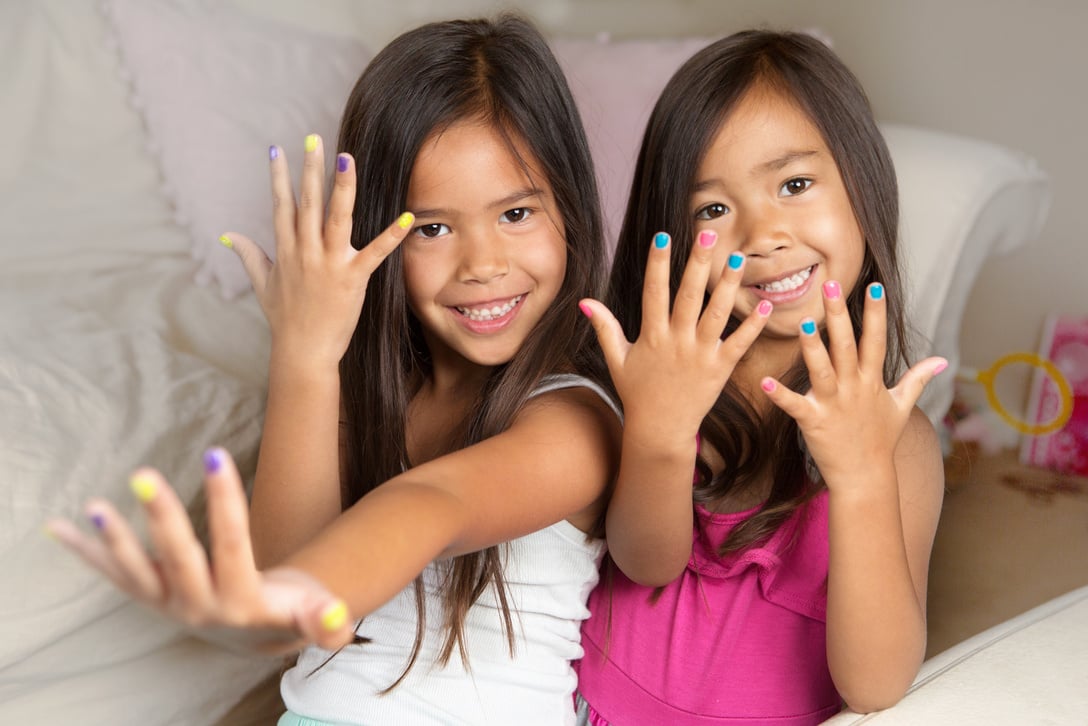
pixel 739 640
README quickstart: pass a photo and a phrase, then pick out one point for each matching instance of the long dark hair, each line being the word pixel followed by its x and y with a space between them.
pixel 500 72
pixel 684 122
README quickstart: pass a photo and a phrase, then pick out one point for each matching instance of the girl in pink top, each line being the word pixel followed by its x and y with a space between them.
pixel 765 359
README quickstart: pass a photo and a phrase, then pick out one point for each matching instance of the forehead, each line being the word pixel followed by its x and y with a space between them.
pixel 765 124
pixel 472 160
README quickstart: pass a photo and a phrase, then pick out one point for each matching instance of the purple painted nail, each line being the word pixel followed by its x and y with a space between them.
pixel 213 460
pixel 341 163
pixel 98 520
pixel 273 153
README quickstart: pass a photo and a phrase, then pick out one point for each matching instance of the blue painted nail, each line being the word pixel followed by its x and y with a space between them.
pixel 808 327
pixel 341 163
pixel 876 291
pixel 213 460
pixel 736 259
pixel 273 153
pixel 661 240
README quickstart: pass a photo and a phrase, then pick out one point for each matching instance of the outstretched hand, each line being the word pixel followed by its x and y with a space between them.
pixel 848 400
pixel 676 369
pixel 313 294
pixel 219 594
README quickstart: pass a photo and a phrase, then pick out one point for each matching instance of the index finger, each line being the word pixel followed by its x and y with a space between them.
pixel 341 204
pixel 383 245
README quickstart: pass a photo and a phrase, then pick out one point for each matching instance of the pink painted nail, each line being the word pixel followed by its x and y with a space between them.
pixel 707 238
pixel 940 367
pixel 764 308
pixel 586 309
pixel 768 385
pixel 832 290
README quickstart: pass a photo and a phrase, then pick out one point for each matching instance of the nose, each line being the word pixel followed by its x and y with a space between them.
pixel 483 257
pixel 765 233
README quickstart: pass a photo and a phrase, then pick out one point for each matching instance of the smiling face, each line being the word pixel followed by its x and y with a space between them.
pixel 769 186
pixel 487 255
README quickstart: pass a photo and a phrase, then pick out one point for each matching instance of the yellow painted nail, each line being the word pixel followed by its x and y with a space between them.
pixel 225 241
pixel 405 220
pixel 48 532
pixel 334 616
pixel 144 487
pixel 311 142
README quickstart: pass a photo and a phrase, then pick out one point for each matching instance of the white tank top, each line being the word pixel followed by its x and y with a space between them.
pixel 549 575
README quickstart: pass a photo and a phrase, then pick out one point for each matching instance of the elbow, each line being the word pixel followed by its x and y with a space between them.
pixel 874 695
pixel 656 572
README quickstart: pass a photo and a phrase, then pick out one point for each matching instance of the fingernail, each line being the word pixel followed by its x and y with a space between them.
pixel 213 460
pixel 311 143
pixel 764 308
pixel 341 163
pixel 876 291
pixel 144 487
pixel 707 238
pixel 273 153
pixel 225 241
pixel 940 367
pixel 832 291
pixel 736 259
pixel 661 240
pixel 768 385
pixel 48 532
pixel 334 616
pixel 808 326
pixel 405 220
pixel 98 520
pixel 586 309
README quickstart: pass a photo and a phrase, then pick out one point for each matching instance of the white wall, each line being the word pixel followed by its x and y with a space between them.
pixel 1005 71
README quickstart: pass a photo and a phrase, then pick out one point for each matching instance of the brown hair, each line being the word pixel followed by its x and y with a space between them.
pixel 500 72
pixel 684 122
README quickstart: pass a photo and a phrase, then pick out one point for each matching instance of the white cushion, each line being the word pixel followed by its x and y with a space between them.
pixel 217 86
pixel 1031 669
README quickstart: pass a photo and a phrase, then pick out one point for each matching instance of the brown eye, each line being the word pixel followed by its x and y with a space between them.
pixel 795 186
pixel 431 231
pixel 712 211
pixel 518 214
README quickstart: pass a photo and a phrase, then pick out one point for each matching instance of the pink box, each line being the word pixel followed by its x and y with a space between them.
pixel 1065 344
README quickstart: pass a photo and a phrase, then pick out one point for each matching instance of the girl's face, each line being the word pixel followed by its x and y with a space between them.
pixel 488 254
pixel 770 188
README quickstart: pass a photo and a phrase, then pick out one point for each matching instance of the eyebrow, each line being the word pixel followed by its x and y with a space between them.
pixel 506 201
pixel 776 164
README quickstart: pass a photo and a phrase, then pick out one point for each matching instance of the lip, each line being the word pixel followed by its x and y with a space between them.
pixel 787 296
pixel 490 325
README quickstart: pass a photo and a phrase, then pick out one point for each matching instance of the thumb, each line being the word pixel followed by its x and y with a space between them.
pixel 614 343
pixel 914 381
pixel 254 259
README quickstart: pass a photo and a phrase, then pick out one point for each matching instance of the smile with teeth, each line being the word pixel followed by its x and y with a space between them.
pixel 495 311
pixel 787 283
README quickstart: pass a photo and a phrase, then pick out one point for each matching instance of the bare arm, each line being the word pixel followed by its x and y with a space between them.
pixel 312 297
pixel 504 487
pixel 880 459
pixel 507 486
pixel 668 379
pixel 881 538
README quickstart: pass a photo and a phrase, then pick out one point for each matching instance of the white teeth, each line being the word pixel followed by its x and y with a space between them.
pixel 491 313
pixel 787 283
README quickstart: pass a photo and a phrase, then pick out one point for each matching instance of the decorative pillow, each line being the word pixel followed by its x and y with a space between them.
pixel 216 86
pixel 616 84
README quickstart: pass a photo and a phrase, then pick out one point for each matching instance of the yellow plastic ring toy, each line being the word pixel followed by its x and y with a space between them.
pixel 1065 393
